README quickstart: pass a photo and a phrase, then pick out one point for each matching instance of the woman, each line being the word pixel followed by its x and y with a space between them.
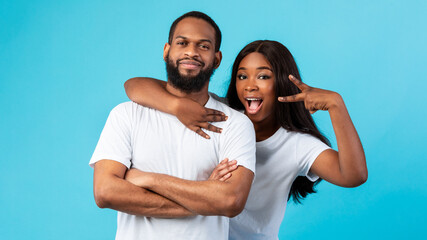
pixel 292 155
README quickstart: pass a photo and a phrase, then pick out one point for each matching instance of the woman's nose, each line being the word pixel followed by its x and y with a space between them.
pixel 251 86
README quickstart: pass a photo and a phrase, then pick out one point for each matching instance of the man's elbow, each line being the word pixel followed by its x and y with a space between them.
pixel 102 198
pixel 234 205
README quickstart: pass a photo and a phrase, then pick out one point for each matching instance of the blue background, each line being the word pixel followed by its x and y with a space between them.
pixel 62 69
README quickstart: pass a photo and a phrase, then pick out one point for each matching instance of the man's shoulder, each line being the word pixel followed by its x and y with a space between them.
pixel 137 113
pixel 129 110
pixel 128 107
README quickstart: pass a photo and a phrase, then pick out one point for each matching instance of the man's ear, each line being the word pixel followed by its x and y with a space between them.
pixel 166 51
pixel 218 58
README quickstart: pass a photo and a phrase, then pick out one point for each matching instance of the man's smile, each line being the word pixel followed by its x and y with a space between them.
pixel 190 64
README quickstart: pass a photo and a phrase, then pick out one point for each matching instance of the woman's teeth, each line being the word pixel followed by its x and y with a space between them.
pixel 254 103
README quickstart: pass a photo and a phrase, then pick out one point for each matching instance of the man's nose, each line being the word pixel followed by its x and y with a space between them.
pixel 191 50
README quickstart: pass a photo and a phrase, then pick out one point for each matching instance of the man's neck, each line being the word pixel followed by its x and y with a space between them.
pixel 200 97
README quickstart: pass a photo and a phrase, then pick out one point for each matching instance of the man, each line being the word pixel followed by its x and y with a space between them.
pixel 178 200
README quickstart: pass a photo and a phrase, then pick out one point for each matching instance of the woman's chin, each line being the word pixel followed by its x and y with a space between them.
pixel 254 116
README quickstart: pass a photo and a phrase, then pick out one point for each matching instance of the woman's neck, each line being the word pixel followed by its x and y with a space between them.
pixel 266 128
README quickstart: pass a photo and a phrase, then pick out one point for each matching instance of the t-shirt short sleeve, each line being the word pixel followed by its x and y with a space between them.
pixel 115 140
pixel 307 150
pixel 239 143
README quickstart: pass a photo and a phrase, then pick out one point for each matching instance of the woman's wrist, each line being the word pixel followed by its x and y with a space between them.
pixel 174 106
pixel 335 102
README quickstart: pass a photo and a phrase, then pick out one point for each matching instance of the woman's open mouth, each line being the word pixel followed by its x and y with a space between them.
pixel 253 105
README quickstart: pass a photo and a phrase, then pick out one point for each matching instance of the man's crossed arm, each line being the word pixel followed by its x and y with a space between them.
pixel 112 191
pixel 210 197
pixel 160 195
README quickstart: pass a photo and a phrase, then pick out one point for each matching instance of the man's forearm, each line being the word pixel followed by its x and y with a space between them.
pixel 205 197
pixel 139 201
pixel 116 193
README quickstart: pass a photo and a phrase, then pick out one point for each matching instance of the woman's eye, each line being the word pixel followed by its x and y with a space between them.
pixel 241 77
pixel 264 77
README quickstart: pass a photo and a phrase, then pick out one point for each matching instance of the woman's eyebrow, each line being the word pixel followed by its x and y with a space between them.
pixel 263 67
pixel 258 68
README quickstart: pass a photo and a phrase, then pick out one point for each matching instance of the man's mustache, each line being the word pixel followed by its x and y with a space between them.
pixel 192 59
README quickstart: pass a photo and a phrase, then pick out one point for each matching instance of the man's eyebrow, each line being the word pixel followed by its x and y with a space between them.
pixel 201 40
pixel 205 40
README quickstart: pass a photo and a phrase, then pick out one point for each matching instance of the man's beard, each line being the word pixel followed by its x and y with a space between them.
pixel 187 84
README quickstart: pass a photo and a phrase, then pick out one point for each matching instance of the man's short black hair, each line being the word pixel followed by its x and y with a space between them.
pixel 202 16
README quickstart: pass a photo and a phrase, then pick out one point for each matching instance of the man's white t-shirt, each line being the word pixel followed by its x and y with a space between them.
pixel 279 160
pixel 153 141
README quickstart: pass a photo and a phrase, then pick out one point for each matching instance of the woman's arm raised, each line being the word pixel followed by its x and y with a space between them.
pixel 347 167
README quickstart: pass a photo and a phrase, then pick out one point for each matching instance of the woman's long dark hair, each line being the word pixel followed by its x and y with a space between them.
pixel 291 116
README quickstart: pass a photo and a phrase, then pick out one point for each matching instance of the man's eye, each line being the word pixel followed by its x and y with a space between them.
pixel 180 43
pixel 241 77
pixel 204 46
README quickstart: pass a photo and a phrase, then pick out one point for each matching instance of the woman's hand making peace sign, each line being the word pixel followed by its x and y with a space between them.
pixel 314 98
pixel 348 167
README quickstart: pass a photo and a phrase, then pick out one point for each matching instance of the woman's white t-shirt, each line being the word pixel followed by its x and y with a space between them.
pixel 279 160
